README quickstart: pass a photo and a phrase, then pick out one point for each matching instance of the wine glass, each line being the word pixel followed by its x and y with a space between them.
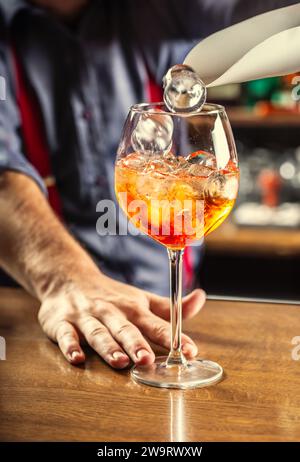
pixel 176 178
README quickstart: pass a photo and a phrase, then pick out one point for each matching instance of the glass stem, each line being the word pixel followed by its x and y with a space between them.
pixel 176 356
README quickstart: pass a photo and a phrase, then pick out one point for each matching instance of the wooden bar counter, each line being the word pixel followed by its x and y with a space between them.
pixel 43 398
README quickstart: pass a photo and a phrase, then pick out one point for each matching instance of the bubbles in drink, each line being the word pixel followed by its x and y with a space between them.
pixel 184 91
pixel 153 134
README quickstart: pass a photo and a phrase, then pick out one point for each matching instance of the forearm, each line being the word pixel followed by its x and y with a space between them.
pixel 77 300
pixel 35 248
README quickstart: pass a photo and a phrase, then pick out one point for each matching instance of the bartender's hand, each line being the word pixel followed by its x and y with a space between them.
pixel 77 301
pixel 114 318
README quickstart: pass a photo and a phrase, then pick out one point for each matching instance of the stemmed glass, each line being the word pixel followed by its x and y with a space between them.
pixel 176 178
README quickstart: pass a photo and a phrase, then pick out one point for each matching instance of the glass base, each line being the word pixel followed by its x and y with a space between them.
pixel 196 373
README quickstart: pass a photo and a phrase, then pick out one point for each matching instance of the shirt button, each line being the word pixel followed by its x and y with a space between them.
pixel 87 114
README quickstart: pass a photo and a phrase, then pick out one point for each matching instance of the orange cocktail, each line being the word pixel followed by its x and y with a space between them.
pixel 173 199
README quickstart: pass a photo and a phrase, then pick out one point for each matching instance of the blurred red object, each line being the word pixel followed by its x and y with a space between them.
pixel 270 184
pixel 266 108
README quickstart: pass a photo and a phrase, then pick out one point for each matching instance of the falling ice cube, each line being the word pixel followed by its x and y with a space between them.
pixel 184 91
pixel 153 134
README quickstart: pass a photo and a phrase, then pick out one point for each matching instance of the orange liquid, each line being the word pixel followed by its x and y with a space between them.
pixel 175 209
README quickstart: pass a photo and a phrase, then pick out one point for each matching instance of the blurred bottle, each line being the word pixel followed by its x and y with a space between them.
pixel 260 90
pixel 271 95
pixel 270 184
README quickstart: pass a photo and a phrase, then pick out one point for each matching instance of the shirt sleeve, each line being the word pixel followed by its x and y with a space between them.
pixel 11 153
pixel 168 29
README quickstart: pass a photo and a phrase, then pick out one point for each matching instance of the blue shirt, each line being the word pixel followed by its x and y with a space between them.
pixel 86 75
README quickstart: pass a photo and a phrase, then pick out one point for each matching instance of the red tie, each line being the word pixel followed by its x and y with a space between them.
pixel 34 135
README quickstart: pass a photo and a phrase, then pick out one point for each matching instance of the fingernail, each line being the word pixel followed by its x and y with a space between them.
pixel 74 355
pixel 117 355
pixel 142 353
pixel 189 349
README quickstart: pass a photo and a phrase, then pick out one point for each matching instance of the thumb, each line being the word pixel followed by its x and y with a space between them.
pixel 191 304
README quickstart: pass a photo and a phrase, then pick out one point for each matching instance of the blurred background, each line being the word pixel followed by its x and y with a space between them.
pixel 256 252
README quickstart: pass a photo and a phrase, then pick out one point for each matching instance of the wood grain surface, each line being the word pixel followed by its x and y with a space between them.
pixel 43 398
